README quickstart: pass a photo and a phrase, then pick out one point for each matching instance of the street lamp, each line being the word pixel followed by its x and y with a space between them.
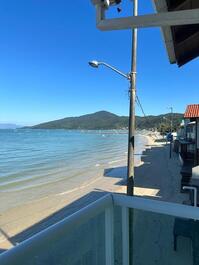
pixel 101 7
pixel 96 64
pixel 131 78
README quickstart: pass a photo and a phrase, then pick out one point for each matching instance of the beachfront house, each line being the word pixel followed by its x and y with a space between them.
pixel 189 152
pixel 189 136
pixel 191 117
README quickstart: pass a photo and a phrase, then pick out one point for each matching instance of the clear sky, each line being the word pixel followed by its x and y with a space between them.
pixel 44 75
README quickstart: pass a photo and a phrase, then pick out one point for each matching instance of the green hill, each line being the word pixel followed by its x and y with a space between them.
pixel 104 120
pixel 161 122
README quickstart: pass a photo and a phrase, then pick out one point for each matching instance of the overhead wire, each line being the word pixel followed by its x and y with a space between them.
pixel 142 109
pixel 140 105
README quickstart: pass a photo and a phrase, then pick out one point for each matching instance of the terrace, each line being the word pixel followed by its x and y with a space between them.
pixel 161 232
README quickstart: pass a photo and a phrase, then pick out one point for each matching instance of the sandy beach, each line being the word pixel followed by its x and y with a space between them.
pixel 157 177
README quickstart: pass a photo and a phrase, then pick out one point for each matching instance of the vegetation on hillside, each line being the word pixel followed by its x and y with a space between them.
pixel 104 120
pixel 161 122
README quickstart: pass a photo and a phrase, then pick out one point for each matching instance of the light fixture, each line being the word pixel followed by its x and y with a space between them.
pixel 112 2
pixel 106 3
pixel 94 64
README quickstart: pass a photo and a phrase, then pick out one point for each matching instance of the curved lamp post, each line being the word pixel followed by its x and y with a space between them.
pixel 131 78
pixel 96 64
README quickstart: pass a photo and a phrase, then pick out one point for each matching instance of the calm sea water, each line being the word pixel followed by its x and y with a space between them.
pixel 32 158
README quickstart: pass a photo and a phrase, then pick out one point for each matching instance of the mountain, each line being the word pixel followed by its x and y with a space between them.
pixel 8 126
pixel 99 120
pixel 104 120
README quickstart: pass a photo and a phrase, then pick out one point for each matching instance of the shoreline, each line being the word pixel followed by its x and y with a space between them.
pixel 20 196
pixel 20 222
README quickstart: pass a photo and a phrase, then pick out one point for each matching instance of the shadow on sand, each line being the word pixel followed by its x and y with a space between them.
pixel 53 218
pixel 152 173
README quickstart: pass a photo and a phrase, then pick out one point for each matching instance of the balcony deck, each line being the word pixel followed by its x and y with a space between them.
pixel 99 234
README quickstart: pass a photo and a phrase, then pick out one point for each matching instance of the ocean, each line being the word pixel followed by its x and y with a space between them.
pixel 33 159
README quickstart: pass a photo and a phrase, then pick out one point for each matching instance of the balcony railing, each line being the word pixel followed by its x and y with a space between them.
pixel 161 233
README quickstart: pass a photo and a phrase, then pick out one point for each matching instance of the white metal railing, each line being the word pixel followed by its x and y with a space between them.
pixel 29 248
pixel 161 207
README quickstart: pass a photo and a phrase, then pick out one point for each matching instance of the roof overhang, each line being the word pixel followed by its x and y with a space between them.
pixel 161 6
pixel 182 42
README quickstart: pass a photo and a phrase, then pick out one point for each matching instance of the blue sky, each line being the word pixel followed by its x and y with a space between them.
pixel 44 49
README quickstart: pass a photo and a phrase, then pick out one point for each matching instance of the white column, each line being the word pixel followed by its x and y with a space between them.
pixel 125 235
pixel 109 236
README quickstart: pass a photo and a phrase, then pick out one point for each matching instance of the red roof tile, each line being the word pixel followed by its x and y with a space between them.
pixel 192 111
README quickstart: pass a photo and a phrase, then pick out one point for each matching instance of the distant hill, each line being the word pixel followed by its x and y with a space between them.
pixel 8 126
pixel 160 121
pixel 99 120
pixel 104 120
